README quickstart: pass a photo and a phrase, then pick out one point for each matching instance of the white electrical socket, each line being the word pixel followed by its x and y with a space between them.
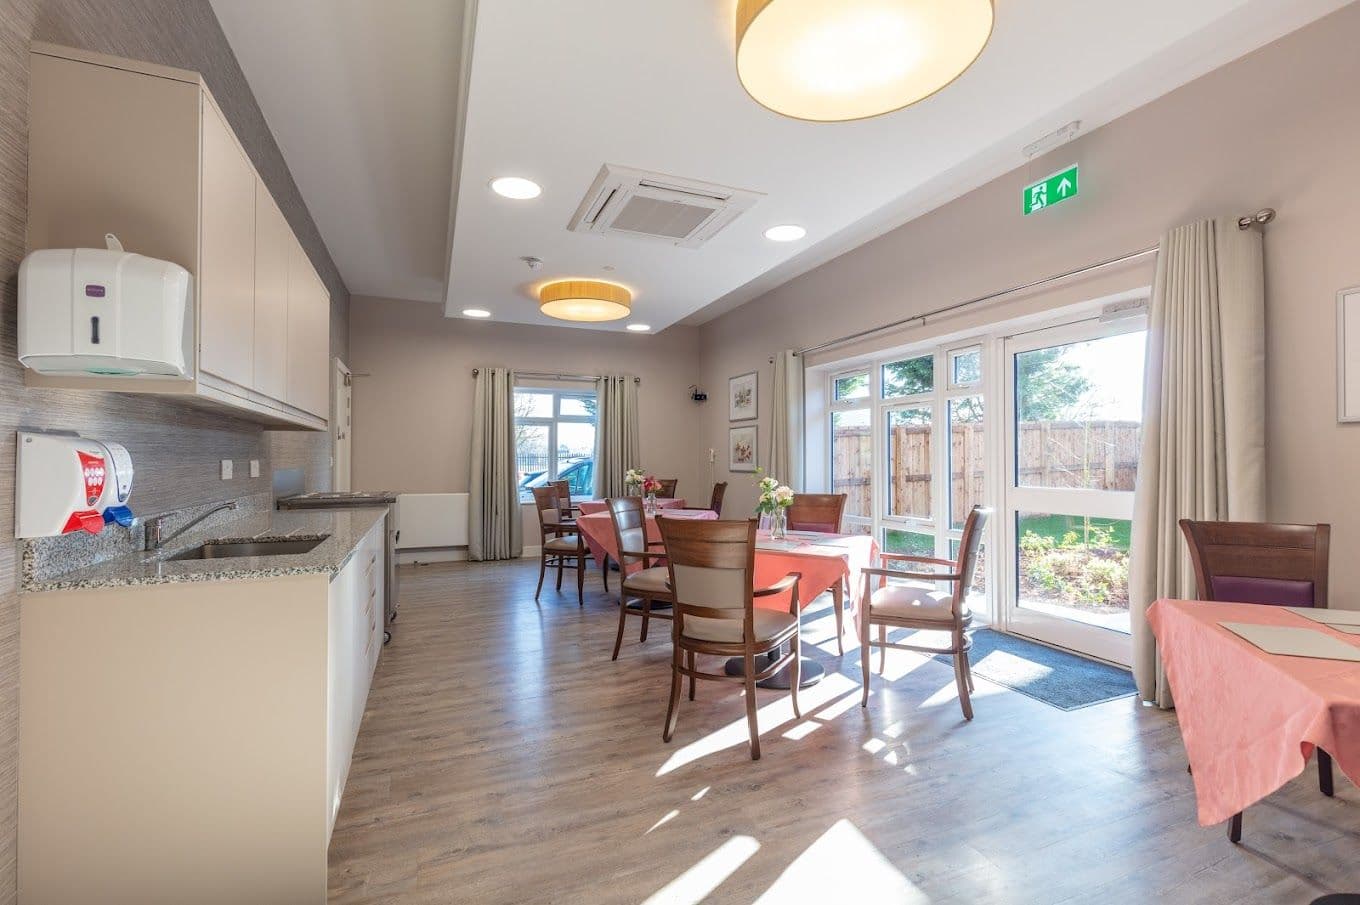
pixel 226 469
pixel 712 456
pixel 254 468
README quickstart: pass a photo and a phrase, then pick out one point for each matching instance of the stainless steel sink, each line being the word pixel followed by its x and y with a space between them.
pixel 253 548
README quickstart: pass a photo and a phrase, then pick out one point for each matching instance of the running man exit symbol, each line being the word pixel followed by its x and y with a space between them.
pixel 1050 190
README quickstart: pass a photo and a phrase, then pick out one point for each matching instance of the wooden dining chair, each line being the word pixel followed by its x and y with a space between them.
pixel 715 501
pixel 639 579
pixel 918 606
pixel 712 570
pixel 1266 564
pixel 822 512
pixel 569 509
pixel 561 541
pixel 668 486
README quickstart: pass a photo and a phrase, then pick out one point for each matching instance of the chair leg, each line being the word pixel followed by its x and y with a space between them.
pixel 796 674
pixel 839 604
pixel 559 573
pixel 623 617
pixel 751 723
pixel 882 649
pixel 581 579
pixel 691 677
pixel 542 570
pixel 968 671
pixel 1324 772
pixel 1235 828
pixel 604 572
pixel 672 709
pixel 646 618
pixel 864 643
pixel 962 681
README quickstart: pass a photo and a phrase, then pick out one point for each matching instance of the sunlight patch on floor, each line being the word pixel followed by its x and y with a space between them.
pixel 841 866
pixel 776 713
pixel 663 821
pixel 697 883
pixel 812 721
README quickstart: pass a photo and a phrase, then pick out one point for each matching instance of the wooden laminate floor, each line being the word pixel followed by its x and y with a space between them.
pixel 505 759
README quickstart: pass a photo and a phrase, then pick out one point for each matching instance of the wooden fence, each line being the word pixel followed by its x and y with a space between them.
pixel 1101 455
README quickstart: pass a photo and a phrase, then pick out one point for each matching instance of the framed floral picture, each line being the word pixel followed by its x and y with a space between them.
pixel 741 448
pixel 741 397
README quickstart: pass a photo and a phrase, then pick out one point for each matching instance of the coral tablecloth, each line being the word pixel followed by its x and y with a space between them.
pixel 599 530
pixel 589 507
pixel 823 560
pixel 1250 719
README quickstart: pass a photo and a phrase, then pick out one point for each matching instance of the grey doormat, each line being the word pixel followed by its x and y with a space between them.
pixel 1055 677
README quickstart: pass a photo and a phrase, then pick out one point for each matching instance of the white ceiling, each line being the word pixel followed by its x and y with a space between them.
pixel 558 89
pixel 361 96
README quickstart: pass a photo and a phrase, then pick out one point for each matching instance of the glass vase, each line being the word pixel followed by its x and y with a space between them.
pixel 779 521
pixel 649 504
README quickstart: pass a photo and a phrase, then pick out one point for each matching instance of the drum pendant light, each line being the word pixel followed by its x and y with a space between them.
pixel 839 60
pixel 585 300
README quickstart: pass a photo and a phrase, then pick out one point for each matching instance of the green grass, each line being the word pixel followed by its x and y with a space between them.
pixel 1056 526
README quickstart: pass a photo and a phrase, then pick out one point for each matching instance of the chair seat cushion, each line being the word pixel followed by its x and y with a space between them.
pixel 904 601
pixel 648 581
pixel 766 623
pixel 561 545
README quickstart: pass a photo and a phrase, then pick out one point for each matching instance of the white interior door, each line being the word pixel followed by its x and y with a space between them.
pixel 340 468
pixel 1072 426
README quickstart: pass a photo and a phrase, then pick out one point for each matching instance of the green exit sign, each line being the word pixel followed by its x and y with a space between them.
pixel 1048 192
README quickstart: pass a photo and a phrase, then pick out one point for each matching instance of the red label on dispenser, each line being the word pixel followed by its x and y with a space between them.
pixel 93 472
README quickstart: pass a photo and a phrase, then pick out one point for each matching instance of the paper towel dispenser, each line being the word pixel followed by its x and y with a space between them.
pixel 107 312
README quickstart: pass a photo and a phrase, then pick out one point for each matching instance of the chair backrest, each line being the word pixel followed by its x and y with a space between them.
pixel 816 512
pixel 715 501
pixel 1257 562
pixel 630 530
pixel 563 493
pixel 969 543
pixel 668 486
pixel 549 510
pixel 712 567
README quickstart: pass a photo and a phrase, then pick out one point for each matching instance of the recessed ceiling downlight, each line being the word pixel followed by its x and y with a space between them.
pixel 516 188
pixel 589 301
pixel 639 328
pixel 788 232
pixel 853 59
pixel 476 312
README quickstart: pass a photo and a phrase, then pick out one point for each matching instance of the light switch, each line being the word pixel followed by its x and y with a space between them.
pixel 712 456
pixel 254 468
pixel 226 469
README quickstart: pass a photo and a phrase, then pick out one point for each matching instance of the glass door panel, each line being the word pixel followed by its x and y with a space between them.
pixel 910 463
pixel 1074 421
pixel 852 462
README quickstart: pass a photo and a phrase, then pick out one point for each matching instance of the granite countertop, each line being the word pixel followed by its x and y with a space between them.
pixel 342 529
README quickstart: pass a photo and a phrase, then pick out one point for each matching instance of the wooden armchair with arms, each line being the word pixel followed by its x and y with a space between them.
pixel 561 541
pixel 639 578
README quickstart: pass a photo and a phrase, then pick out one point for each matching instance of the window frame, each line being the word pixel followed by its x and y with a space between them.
pixel 558 394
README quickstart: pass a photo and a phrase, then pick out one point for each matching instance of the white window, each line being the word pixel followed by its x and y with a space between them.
pixel 554 440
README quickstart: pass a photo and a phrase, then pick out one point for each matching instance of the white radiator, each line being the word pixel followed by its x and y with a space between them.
pixel 432 520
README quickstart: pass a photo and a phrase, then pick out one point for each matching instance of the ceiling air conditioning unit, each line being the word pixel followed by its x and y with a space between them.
pixel 684 212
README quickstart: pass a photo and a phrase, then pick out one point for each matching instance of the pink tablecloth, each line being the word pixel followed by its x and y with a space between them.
pixel 598 529
pixel 589 507
pixel 823 560
pixel 1250 719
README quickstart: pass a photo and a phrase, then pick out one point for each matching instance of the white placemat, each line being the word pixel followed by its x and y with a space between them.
pixel 1327 617
pixel 1288 641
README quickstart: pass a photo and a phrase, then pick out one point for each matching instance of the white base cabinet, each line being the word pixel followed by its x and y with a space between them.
pixel 189 742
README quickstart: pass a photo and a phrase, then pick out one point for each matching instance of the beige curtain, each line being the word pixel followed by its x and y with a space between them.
pixel 495 528
pixel 785 459
pixel 616 434
pixel 1203 446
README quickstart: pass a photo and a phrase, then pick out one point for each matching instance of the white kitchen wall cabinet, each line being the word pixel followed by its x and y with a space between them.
pixel 143 151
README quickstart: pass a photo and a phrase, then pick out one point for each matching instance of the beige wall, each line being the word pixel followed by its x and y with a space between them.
pixel 413 391
pixel 1278 128
pixel 175 448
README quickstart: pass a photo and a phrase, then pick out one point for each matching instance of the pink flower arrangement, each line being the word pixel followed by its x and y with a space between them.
pixel 651 484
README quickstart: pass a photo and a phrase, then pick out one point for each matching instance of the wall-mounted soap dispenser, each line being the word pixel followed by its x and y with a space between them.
pixel 70 483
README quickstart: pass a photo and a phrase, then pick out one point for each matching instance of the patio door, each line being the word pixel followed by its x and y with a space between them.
pixel 1073 421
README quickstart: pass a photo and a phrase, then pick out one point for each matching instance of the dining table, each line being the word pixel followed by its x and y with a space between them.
pixel 822 560
pixel 1251 719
